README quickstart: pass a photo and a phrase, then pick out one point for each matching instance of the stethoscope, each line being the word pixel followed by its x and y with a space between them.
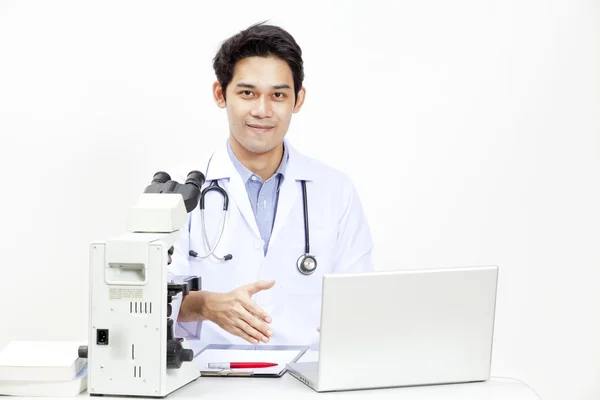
pixel 306 264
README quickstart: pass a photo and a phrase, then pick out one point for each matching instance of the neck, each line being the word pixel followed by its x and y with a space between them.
pixel 261 164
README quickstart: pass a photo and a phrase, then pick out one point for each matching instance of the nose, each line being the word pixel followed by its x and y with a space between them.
pixel 262 108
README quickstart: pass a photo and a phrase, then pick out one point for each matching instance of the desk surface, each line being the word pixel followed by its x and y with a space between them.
pixel 290 388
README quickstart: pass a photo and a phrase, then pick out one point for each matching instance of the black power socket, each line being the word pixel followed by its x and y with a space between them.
pixel 102 337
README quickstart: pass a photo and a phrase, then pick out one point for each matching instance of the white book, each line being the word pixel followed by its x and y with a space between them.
pixel 45 389
pixel 41 361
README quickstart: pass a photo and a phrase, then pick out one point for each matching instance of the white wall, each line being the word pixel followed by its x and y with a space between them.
pixel 471 128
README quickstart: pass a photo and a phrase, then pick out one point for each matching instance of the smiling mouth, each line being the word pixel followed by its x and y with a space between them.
pixel 260 128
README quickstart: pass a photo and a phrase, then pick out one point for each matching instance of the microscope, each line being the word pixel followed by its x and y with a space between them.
pixel 131 347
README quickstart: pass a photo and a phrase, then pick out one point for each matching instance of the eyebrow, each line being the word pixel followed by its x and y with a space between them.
pixel 250 86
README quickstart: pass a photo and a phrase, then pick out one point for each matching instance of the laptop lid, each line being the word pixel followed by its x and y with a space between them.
pixel 411 327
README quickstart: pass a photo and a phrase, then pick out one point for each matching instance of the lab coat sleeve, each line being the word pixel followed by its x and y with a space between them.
pixel 354 245
pixel 180 267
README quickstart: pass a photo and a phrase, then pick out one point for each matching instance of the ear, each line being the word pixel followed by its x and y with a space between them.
pixel 300 100
pixel 218 94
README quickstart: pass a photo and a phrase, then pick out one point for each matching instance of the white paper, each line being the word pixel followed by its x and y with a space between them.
pixel 281 357
pixel 40 354
pixel 44 389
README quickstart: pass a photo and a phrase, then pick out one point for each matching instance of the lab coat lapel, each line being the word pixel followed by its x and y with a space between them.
pixel 239 195
pixel 288 192
pixel 298 168
pixel 221 167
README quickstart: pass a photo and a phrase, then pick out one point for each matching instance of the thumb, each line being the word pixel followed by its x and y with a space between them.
pixel 260 285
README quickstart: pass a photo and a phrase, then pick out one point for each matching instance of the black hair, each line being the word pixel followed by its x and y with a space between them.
pixel 259 40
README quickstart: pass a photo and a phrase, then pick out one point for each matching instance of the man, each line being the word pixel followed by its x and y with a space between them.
pixel 265 291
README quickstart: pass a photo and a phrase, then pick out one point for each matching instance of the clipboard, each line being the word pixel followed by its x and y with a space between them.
pixel 281 354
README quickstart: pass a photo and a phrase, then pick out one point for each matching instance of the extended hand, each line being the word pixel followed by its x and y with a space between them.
pixel 236 313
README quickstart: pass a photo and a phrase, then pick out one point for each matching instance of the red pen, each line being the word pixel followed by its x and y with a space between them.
pixel 231 365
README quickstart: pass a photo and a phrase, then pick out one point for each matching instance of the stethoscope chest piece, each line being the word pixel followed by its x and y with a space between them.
pixel 306 264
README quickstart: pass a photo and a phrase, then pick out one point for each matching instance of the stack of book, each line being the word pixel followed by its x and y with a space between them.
pixel 40 369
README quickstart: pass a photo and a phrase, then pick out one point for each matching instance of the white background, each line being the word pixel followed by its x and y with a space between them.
pixel 471 129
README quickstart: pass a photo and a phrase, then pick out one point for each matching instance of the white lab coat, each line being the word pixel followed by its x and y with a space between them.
pixel 340 239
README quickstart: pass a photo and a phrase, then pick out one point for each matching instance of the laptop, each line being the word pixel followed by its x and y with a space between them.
pixel 403 328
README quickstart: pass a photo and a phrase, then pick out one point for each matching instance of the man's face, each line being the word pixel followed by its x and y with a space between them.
pixel 260 102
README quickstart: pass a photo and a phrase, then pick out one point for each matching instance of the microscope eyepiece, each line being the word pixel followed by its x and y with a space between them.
pixel 161 177
pixel 196 178
pixel 162 183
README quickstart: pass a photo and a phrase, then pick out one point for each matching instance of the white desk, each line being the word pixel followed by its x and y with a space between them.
pixel 289 388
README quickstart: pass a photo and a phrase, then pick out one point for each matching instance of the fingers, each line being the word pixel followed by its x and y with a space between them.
pixel 257 325
pixel 239 332
pixel 243 321
pixel 249 323
pixel 258 286
pixel 243 318
pixel 319 330
pixel 257 311
pixel 252 332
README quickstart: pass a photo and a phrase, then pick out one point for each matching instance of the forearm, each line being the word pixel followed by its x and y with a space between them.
pixel 193 307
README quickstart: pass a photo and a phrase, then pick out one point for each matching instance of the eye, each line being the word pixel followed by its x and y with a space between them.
pixel 246 92
pixel 279 95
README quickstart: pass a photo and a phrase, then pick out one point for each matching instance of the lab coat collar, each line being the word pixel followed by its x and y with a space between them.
pixel 299 167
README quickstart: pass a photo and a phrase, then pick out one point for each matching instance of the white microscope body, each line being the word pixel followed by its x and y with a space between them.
pixel 131 349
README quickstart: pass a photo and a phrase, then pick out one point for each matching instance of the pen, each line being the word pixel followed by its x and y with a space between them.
pixel 231 365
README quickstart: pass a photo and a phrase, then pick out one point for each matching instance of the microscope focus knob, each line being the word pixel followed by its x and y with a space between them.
pixel 82 351
pixel 169 330
pixel 176 354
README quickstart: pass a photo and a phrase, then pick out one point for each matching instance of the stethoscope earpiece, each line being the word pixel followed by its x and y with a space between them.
pixel 306 264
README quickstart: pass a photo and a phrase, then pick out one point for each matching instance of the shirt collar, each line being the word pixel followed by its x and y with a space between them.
pixel 246 174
